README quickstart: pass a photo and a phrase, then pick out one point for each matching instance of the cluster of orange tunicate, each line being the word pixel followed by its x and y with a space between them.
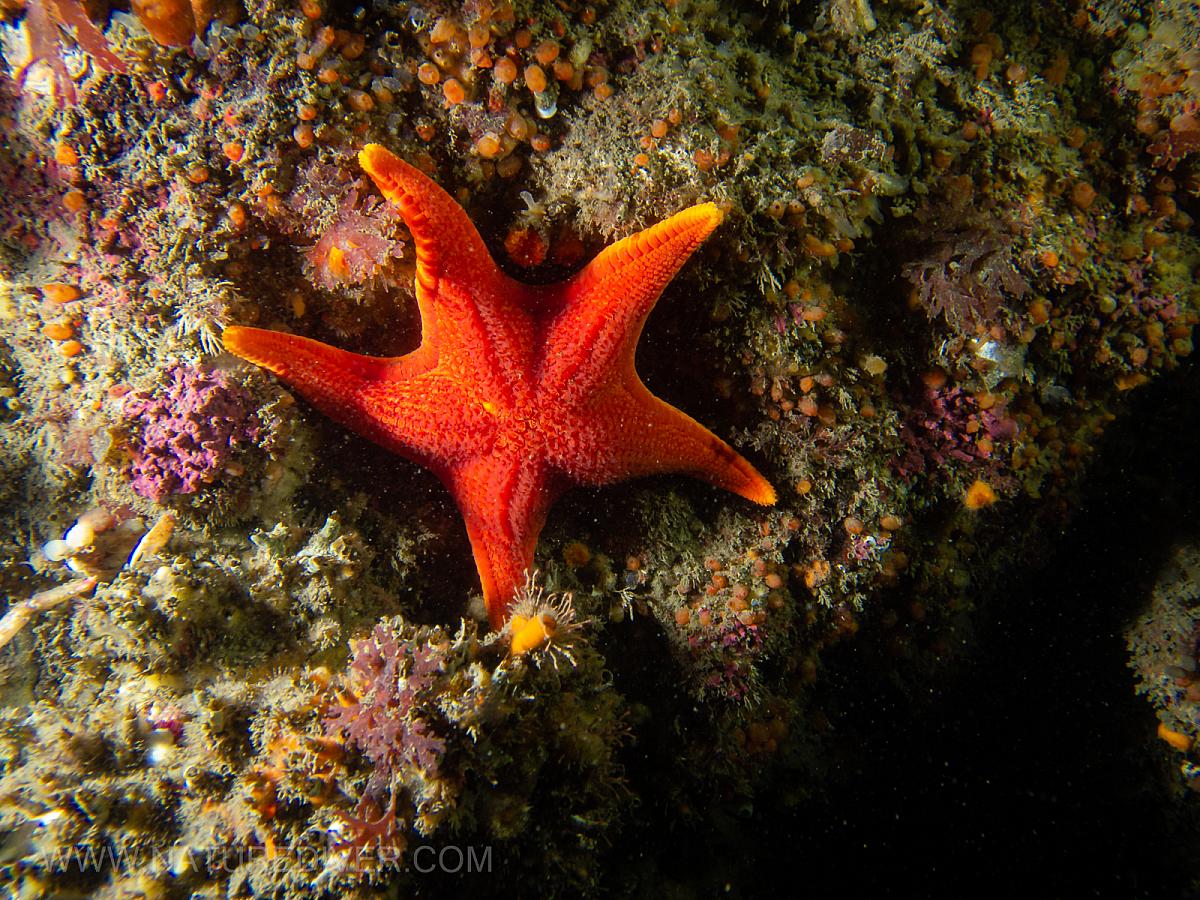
pixel 1159 207
pixel 759 588
pixel 793 209
pixel 707 160
pixel 492 62
pixel 510 74
pixel 1154 88
pixel 659 129
pixel 67 159
pixel 1167 85
pixel 348 44
pixel 325 54
pixel 62 328
pixel 765 734
pixel 496 146
pixel 988 49
pixel 793 390
pixel 792 213
pixel 304 134
pixel 797 395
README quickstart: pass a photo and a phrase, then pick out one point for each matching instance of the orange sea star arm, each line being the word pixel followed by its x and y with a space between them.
pixel 596 335
pixel 322 373
pixel 629 432
pixel 504 499
pixel 473 316
pixel 399 402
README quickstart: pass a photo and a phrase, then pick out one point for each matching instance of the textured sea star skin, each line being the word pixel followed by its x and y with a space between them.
pixel 516 391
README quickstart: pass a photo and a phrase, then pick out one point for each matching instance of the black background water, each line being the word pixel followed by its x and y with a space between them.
pixel 1033 766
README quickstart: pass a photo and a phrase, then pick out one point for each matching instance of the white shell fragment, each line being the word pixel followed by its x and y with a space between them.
pixel 81 535
pixel 154 539
pixel 56 550
pixel 20 613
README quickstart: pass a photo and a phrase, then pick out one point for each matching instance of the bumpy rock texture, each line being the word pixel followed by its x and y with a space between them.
pixel 956 239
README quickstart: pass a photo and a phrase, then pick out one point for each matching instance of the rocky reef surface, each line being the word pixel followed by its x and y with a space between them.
pixel 243 652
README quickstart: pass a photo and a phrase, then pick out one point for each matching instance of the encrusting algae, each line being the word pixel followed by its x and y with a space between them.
pixel 952 243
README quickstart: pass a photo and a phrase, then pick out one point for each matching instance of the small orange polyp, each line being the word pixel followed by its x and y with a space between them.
pixel 65 155
pixel 336 263
pixel 532 633
pixel 1176 739
pixel 58 331
pixel 979 495
pixel 58 292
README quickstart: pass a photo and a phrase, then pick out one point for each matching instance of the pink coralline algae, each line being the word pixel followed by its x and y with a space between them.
pixel 390 679
pixel 946 427
pixel 725 659
pixel 187 432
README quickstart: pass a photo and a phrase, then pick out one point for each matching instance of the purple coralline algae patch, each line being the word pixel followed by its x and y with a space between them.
pixel 945 427
pixel 391 679
pixel 725 659
pixel 186 432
